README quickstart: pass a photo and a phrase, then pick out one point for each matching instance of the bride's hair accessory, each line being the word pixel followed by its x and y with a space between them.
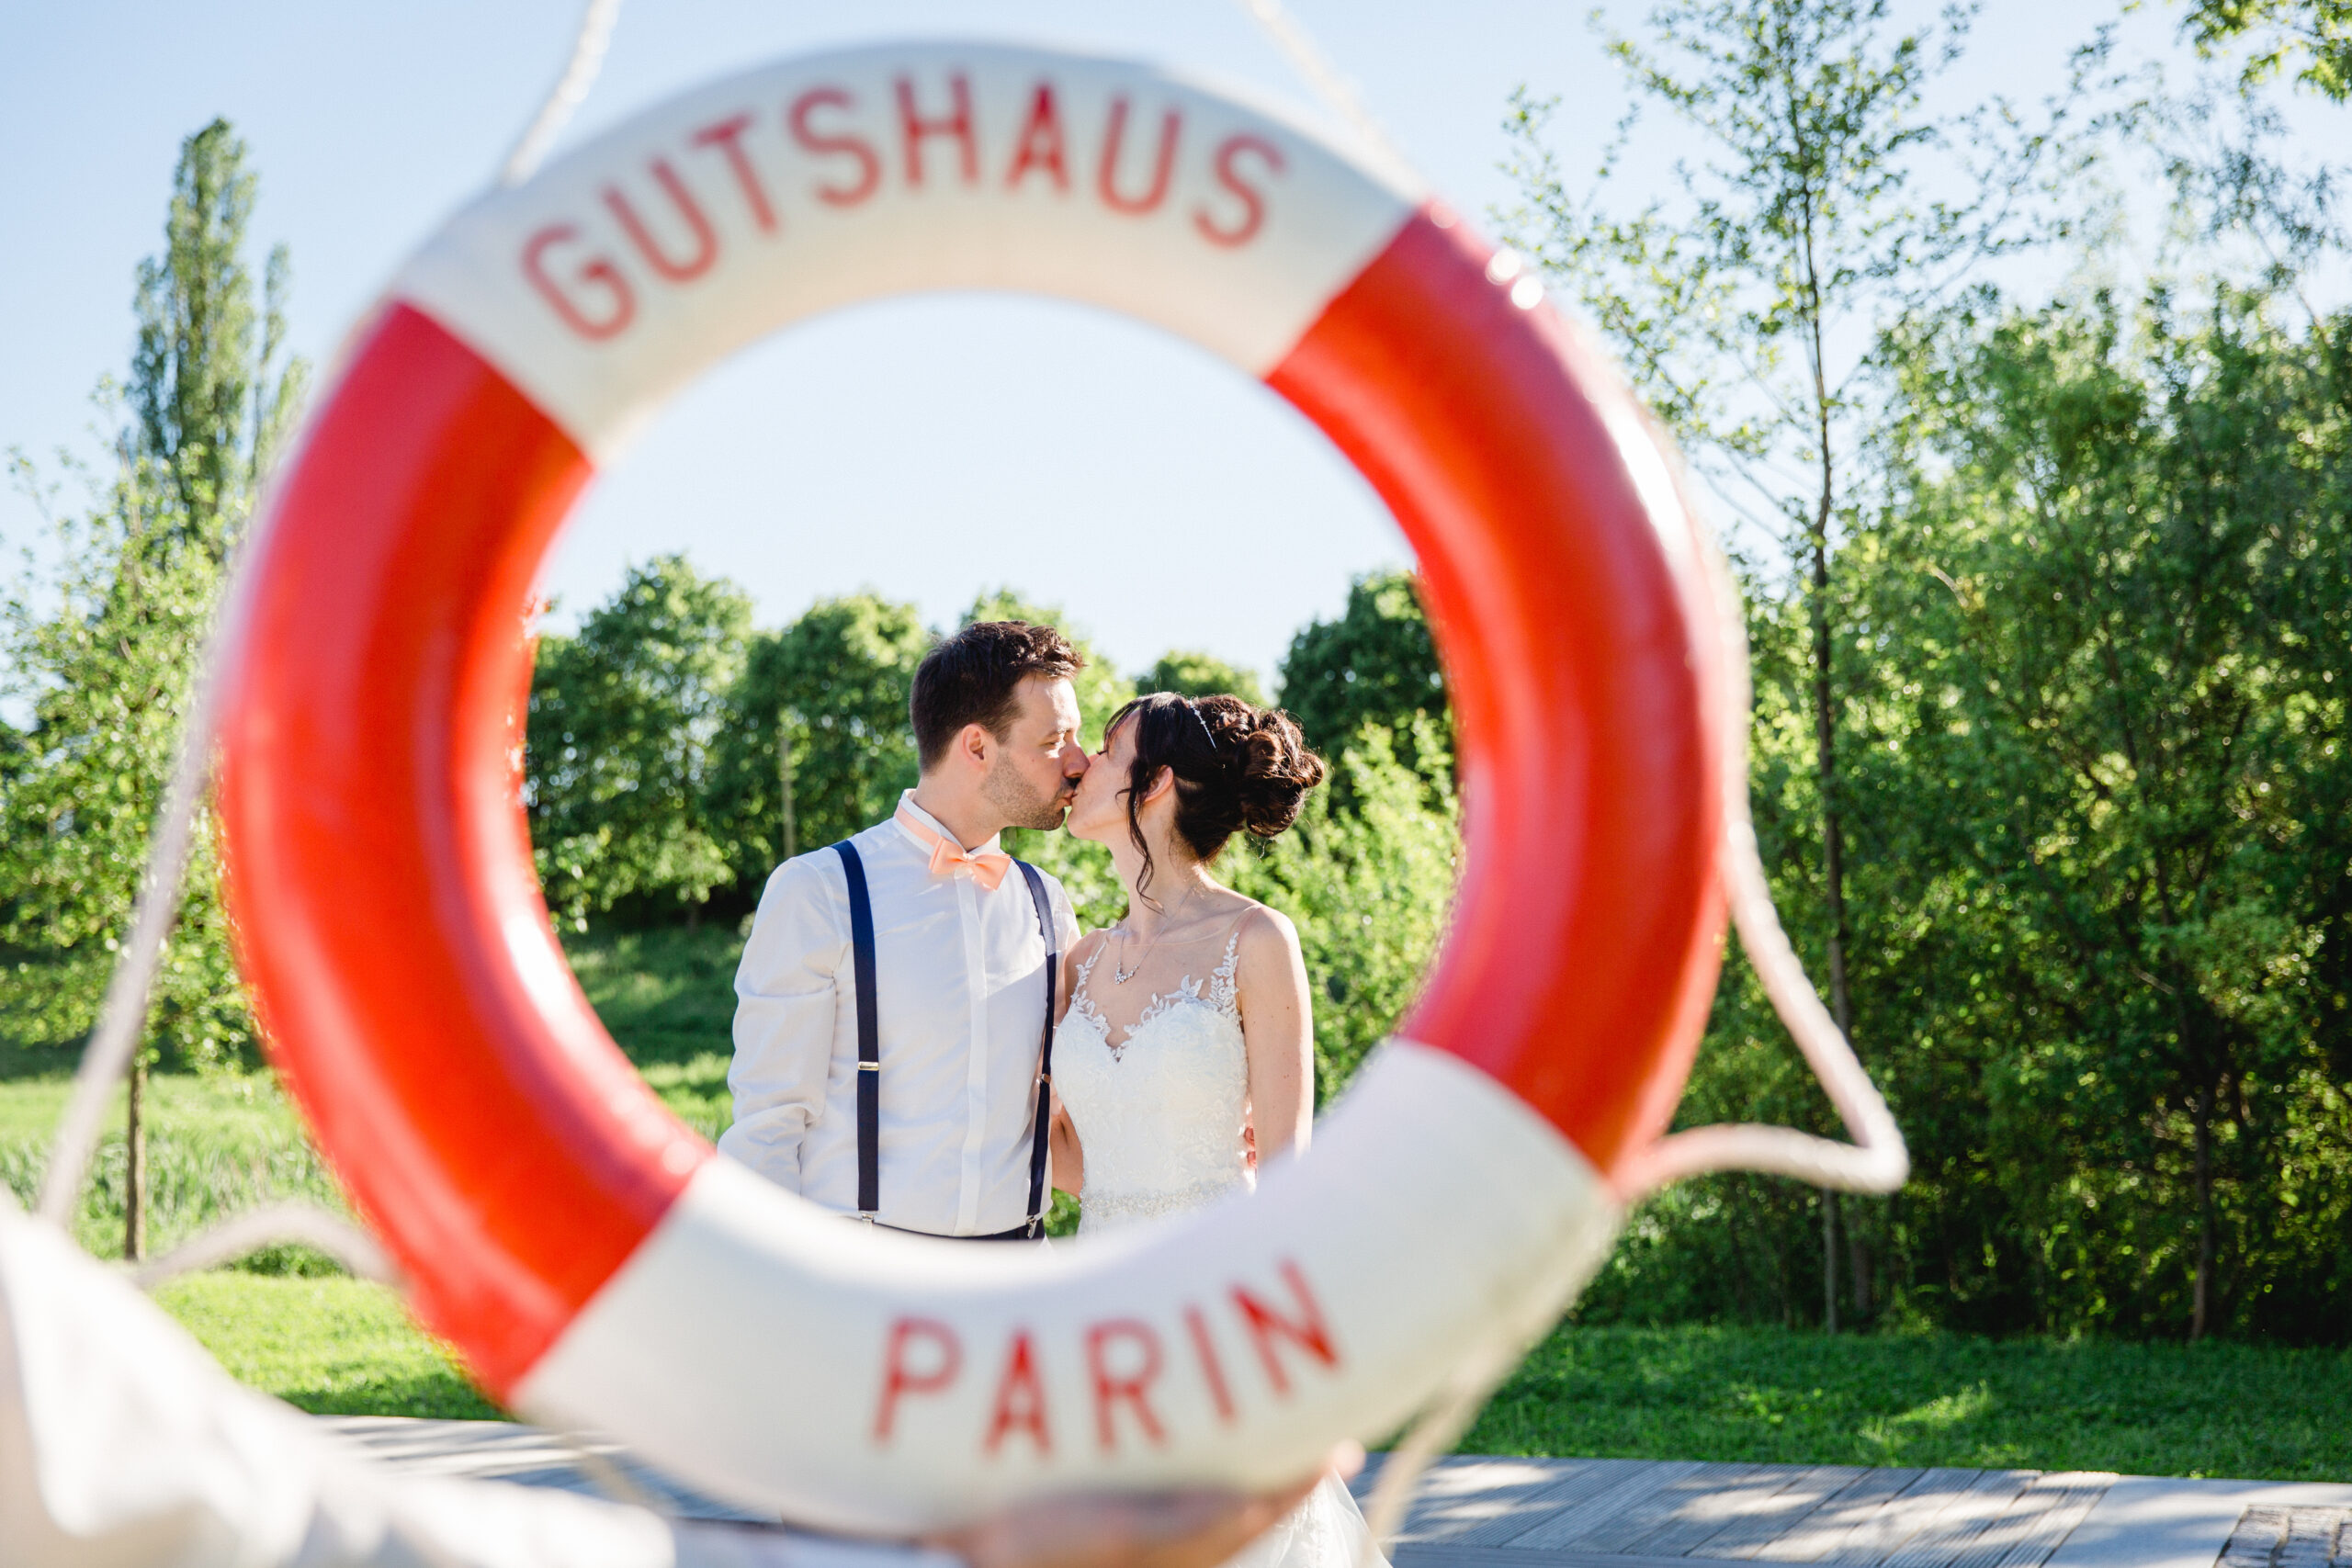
pixel 1252 777
pixel 1194 709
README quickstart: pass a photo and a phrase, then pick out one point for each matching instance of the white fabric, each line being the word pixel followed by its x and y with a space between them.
pixel 1159 1114
pixel 804 189
pixel 961 975
pixel 122 1445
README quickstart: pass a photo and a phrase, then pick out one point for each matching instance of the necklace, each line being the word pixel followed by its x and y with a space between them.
pixel 1121 970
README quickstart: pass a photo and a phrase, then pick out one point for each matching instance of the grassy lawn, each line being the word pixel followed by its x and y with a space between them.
pixel 1780 1396
pixel 333 1346
pixel 288 1324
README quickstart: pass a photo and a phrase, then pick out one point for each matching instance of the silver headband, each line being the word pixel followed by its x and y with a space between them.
pixel 1194 709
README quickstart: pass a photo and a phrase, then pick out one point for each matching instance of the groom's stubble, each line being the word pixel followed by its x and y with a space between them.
pixel 1021 801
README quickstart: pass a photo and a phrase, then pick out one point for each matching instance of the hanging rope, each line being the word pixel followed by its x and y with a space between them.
pixel 588 46
pixel 124 1015
pixel 270 1225
pixel 1295 44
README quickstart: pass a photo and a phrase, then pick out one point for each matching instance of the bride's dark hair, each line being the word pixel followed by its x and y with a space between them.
pixel 1238 768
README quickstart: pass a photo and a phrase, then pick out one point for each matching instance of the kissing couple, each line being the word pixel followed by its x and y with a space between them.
pixel 899 991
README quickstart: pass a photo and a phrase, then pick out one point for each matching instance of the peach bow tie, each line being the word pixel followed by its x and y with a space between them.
pixel 987 868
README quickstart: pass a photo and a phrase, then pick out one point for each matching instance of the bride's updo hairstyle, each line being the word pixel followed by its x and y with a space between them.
pixel 1237 769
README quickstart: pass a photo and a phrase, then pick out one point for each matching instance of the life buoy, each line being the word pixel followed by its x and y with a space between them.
pixel 592 1259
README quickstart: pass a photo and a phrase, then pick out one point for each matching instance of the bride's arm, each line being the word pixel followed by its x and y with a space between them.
pixel 1278 1027
pixel 1069 1161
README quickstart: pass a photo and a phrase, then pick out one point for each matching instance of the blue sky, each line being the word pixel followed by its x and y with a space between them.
pixel 928 448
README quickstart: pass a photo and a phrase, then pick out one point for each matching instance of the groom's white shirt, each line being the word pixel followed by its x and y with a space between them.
pixel 960 974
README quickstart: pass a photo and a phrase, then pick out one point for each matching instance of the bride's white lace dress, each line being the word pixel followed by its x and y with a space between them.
pixel 1159 1114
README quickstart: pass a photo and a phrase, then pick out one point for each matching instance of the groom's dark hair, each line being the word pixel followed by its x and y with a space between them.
pixel 975 675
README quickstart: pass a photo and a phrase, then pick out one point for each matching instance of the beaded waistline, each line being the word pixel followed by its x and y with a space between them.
pixel 1097 1211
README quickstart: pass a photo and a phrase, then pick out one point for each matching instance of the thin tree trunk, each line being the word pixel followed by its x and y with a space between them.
pixel 1825 744
pixel 1825 741
pixel 1829 1261
pixel 2198 1321
pixel 784 781
pixel 1857 1252
pixel 134 1177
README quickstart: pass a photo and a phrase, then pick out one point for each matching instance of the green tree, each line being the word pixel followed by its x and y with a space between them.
pixel 1369 887
pixel 823 706
pixel 206 407
pixel 103 654
pixel 2316 34
pixel 1375 664
pixel 624 719
pixel 1747 304
pixel 1085 870
pixel 2117 610
pixel 1192 674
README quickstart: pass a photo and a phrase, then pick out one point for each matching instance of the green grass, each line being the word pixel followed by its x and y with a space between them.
pixel 330 1344
pixel 217 1143
pixel 334 1346
pixel 1791 1397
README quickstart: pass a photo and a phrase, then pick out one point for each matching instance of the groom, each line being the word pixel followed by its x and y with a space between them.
pixel 896 988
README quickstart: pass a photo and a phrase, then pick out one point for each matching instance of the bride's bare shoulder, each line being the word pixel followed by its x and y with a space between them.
pixel 1264 934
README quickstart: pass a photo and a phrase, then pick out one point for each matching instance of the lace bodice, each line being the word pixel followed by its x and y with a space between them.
pixel 1160 1116
pixel 1159 1112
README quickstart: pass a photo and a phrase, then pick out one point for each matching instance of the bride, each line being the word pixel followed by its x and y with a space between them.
pixel 1185 1052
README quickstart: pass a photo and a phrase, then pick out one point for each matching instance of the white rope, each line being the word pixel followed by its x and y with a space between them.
pixel 1321 76
pixel 1476 1377
pixel 1876 1161
pixel 269 1225
pixel 587 58
pixel 123 1014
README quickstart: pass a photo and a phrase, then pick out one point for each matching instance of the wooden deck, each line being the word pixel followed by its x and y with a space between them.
pixel 1608 1513
pixel 1502 1513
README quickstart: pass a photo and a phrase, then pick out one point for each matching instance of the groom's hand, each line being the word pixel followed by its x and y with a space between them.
pixel 1196 1529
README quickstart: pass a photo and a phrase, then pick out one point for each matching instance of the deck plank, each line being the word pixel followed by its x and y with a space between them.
pixel 1905 1517
pixel 1955 1528
pixel 1526 1512
pixel 1833 1521
pixel 1705 1516
pixel 1758 1527
pixel 2311 1536
pixel 1455 1496
pixel 1648 1515
pixel 1571 1525
pixel 2076 1493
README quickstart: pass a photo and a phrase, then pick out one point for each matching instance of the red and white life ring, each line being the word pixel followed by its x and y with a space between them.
pixel 592 1259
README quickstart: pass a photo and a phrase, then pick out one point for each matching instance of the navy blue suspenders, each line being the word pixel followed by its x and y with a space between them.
pixel 1037 1197
pixel 870 1035
pixel 869 1041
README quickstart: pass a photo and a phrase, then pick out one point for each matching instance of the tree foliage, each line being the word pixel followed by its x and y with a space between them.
pixel 833 688
pixel 1375 664
pixel 2111 644
pixel 2099 789
pixel 104 653
pixel 1368 884
pixel 1192 674
pixel 625 717
pixel 2315 36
